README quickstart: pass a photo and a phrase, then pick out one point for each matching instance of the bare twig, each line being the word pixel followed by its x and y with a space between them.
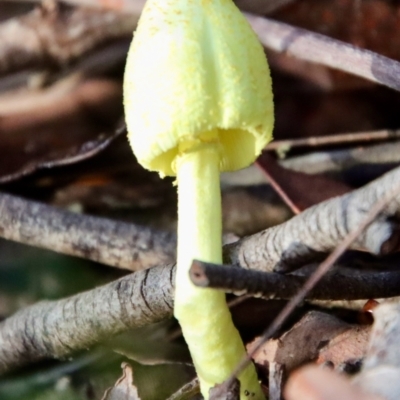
pixel 340 284
pixel 46 328
pixel 340 138
pixel 319 229
pixel 58 328
pixel 378 206
pixel 320 49
pixel 58 35
pixel 110 242
pixel 340 160
pixel 263 165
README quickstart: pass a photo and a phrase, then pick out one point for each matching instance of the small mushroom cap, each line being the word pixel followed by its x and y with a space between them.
pixel 196 73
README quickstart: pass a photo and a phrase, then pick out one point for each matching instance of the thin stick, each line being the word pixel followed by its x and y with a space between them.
pixel 316 277
pixel 320 49
pixel 340 138
pixel 278 188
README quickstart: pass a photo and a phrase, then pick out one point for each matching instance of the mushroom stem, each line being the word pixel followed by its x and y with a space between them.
pixel 213 340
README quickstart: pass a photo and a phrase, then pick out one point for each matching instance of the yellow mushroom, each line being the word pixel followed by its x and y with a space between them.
pixel 198 100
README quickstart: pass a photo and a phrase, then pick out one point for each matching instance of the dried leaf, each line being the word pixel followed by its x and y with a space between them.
pixel 347 348
pixel 302 343
pixel 297 189
pixel 124 388
pixel 59 130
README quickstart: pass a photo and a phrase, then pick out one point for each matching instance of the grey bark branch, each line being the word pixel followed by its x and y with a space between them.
pixel 110 242
pixel 58 328
pixel 316 48
pixel 381 367
pixel 341 284
pixel 283 247
pixel 319 229
pixel 40 36
pixel 340 160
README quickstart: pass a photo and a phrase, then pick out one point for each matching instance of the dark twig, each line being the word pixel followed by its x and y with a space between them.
pixel 110 242
pixel 324 267
pixel 58 328
pixel 340 138
pixel 340 284
pixel 313 47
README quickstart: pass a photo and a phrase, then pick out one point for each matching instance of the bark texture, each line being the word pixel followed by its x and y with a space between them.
pixel 320 228
pixel 58 328
pixel 110 242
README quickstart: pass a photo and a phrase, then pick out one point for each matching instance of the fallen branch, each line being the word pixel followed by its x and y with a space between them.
pixel 45 329
pixel 103 240
pixel 281 248
pixel 320 49
pixel 59 328
pixel 370 216
pixel 319 229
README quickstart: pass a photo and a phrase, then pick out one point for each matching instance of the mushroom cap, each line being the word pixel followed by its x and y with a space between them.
pixel 196 74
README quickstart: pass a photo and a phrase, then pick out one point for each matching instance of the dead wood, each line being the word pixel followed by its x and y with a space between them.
pixel 341 284
pixel 99 239
pixel 316 48
pixel 57 35
pixel 26 335
pixel 58 328
pixel 370 216
pixel 320 228
pixel 341 160
pixel 281 248
pixel 381 367
pixel 339 138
